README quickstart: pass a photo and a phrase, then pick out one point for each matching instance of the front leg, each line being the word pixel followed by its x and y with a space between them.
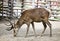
pixel 28 24
pixel 33 29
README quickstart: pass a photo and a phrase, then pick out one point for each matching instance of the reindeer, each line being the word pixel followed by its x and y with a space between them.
pixel 29 17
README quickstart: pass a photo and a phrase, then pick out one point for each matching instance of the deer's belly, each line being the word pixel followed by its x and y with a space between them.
pixel 37 20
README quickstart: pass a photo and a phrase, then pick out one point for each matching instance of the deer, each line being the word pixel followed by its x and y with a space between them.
pixel 29 17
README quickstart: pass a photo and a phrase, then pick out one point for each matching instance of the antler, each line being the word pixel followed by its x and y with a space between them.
pixel 9 22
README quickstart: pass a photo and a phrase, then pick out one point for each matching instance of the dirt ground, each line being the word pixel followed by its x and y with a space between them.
pixel 8 35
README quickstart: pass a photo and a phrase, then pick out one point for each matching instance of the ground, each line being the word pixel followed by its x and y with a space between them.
pixel 8 35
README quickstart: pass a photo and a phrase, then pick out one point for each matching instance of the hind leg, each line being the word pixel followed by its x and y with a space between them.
pixel 45 26
pixel 49 24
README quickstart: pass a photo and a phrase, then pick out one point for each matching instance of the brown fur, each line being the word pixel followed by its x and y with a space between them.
pixel 33 15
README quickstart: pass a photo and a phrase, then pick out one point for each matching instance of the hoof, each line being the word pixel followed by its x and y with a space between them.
pixel 41 35
pixel 15 36
pixel 50 35
pixel 25 36
pixel 35 35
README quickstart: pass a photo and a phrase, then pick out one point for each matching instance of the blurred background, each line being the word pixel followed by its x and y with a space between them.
pixel 10 8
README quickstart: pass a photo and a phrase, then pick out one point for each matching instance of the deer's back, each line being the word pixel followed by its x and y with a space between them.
pixel 36 14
